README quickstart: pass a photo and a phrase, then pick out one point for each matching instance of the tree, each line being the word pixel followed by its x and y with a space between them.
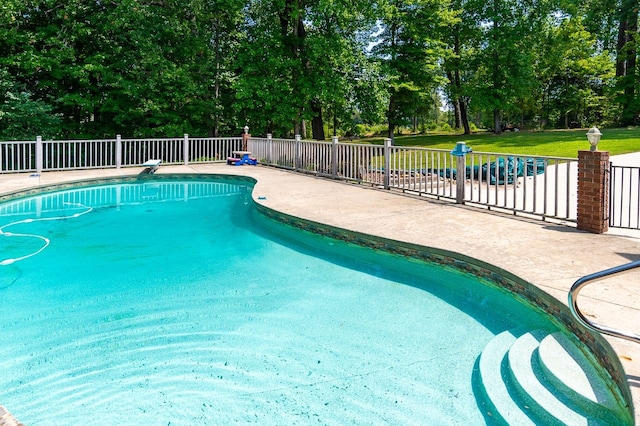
pixel 504 56
pixel 626 61
pixel 264 88
pixel 300 60
pixel 170 74
pixel 163 67
pixel 409 48
pixel 575 76
pixel 142 68
pixel 615 25
pixel 21 117
pixel 456 65
pixel 337 63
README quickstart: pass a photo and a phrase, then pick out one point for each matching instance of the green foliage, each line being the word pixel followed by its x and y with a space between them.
pixel 136 68
pixel 408 48
pixel 21 117
pixel 575 76
pixel 83 68
pixel 501 58
pixel 302 60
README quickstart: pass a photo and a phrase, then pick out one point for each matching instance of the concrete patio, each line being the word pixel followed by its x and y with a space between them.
pixel 551 256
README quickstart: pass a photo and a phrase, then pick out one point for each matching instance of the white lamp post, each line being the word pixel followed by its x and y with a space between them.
pixel 594 135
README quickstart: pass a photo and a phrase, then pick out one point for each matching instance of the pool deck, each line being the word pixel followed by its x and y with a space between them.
pixel 551 256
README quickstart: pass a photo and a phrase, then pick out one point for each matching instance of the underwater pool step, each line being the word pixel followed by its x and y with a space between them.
pixel 541 378
pixel 501 406
pixel 567 368
pixel 523 366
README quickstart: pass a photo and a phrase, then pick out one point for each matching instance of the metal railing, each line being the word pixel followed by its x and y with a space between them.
pixel 624 193
pixel 541 186
pixel 423 171
pixel 39 155
pixel 582 282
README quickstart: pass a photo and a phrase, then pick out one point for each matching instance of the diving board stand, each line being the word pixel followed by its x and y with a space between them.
pixel 151 165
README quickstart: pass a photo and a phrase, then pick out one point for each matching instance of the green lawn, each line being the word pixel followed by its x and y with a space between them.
pixel 551 143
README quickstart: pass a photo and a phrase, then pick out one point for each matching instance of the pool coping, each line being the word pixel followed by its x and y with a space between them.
pixel 599 345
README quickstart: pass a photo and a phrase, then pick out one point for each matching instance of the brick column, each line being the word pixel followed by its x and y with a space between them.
pixel 593 191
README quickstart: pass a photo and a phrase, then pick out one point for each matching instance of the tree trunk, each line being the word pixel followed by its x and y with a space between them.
pixel 317 125
pixel 620 45
pixel 631 112
pixel 459 103
pixel 496 81
pixel 392 129
pixel 456 113
pixel 463 116
pixel 390 117
pixel 292 18
pixel 626 51
pixel 497 121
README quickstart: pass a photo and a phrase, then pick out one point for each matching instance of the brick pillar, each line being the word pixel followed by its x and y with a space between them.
pixel 593 191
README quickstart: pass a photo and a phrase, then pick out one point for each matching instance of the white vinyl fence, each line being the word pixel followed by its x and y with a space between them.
pixel 544 187
pixel 38 156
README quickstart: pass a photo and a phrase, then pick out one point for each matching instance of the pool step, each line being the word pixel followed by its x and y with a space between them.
pixel 569 370
pixel 540 378
pixel 493 383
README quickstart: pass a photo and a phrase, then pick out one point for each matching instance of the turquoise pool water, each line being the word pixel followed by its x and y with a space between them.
pixel 174 302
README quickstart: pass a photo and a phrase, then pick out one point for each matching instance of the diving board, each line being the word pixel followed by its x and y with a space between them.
pixel 152 165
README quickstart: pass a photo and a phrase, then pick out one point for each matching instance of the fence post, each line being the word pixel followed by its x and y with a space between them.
pixel 186 149
pixel 387 162
pixel 593 191
pixel 460 152
pixel 298 160
pixel 334 157
pixel 269 147
pixel 118 151
pixel 39 159
pixel 460 178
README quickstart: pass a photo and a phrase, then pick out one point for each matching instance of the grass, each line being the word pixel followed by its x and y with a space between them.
pixel 551 143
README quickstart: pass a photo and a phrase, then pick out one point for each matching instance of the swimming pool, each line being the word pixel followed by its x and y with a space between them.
pixel 174 301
